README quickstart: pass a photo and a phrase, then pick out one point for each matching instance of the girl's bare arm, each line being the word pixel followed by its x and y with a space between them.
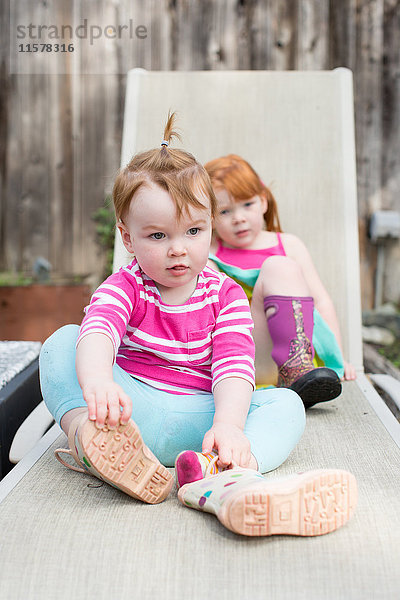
pixel 104 397
pixel 232 397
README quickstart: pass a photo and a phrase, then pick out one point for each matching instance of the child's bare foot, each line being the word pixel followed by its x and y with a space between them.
pixel 191 466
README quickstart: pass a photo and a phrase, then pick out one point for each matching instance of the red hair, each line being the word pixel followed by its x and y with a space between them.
pixel 174 170
pixel 240 180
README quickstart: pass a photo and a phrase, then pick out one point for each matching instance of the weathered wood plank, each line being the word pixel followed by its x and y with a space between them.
pixel 391 136
pixel 280 34
pixel 159 16
pixel 342 34
pixel 368 98
pixel 312 34
pixel 5 109
pixel 376 363
pixel 227 48
pixel 61 134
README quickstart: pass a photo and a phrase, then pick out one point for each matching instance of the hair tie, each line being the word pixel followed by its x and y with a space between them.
pixel 164 143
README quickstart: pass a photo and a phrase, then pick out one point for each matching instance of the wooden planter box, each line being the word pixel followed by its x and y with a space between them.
pixel 34 312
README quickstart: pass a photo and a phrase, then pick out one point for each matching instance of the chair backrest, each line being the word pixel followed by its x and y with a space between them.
pixel 296 129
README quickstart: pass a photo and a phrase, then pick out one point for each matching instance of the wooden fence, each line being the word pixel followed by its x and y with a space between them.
pixel 61 133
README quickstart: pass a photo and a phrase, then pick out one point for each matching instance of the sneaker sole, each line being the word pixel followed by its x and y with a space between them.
pixel 311 504
pixel 319 385
pixel 121 458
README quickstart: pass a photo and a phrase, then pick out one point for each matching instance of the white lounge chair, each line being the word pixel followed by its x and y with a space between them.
pixel 63 536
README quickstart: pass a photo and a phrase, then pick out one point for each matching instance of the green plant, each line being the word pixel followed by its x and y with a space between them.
pixel 392 353
pixel 8 278
pixel 105 228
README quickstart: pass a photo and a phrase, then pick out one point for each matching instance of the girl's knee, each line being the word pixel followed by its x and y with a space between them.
pixel 58 351
pixel 281 275
pixel 286 405
pixel 292 402
pixel 58 380
pixel 278 266
pixel 62 338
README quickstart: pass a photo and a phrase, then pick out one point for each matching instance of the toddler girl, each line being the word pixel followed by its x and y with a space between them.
pixel 168 341
pixel 292 312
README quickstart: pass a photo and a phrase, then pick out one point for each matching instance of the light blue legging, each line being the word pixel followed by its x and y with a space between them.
pixel 171 423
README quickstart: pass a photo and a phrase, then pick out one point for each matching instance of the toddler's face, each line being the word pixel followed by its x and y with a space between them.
pixel 171 252
pixel 238 222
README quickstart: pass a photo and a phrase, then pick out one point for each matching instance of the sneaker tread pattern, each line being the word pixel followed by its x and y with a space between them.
pixel 321 503
pixel 121 458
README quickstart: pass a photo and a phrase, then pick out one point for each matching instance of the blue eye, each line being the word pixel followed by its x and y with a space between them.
pixel 193 230
pixel 158 235
pixel 248 203
pixel 224 212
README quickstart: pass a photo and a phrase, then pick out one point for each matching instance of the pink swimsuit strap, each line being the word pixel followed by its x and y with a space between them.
pixel 280 245
pixel 247 258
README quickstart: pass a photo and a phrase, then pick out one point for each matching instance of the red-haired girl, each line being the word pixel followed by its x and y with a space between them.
pixel 293 314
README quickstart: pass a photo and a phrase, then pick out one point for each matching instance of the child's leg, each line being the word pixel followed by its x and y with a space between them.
pixel 274 426
pixel 278 276
pixel 117 456
pixel 169 423
pixel 282 311
pixel 58 380
pixel 63 395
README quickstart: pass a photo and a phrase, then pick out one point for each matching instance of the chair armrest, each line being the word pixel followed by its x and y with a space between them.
pixel 30 432
pixel 388 384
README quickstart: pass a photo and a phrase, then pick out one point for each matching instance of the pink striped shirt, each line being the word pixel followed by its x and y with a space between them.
pixel 181 349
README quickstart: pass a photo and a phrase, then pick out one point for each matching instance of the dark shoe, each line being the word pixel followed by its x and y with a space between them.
pixel 318 385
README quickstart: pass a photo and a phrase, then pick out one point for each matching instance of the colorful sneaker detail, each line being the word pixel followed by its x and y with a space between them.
pixel 118 457
pixel 192 466
pixel 309 504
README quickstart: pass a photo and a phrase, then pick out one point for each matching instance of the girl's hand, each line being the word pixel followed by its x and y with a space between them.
pixel 349 372
pixel 231 444
pixel 104 399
